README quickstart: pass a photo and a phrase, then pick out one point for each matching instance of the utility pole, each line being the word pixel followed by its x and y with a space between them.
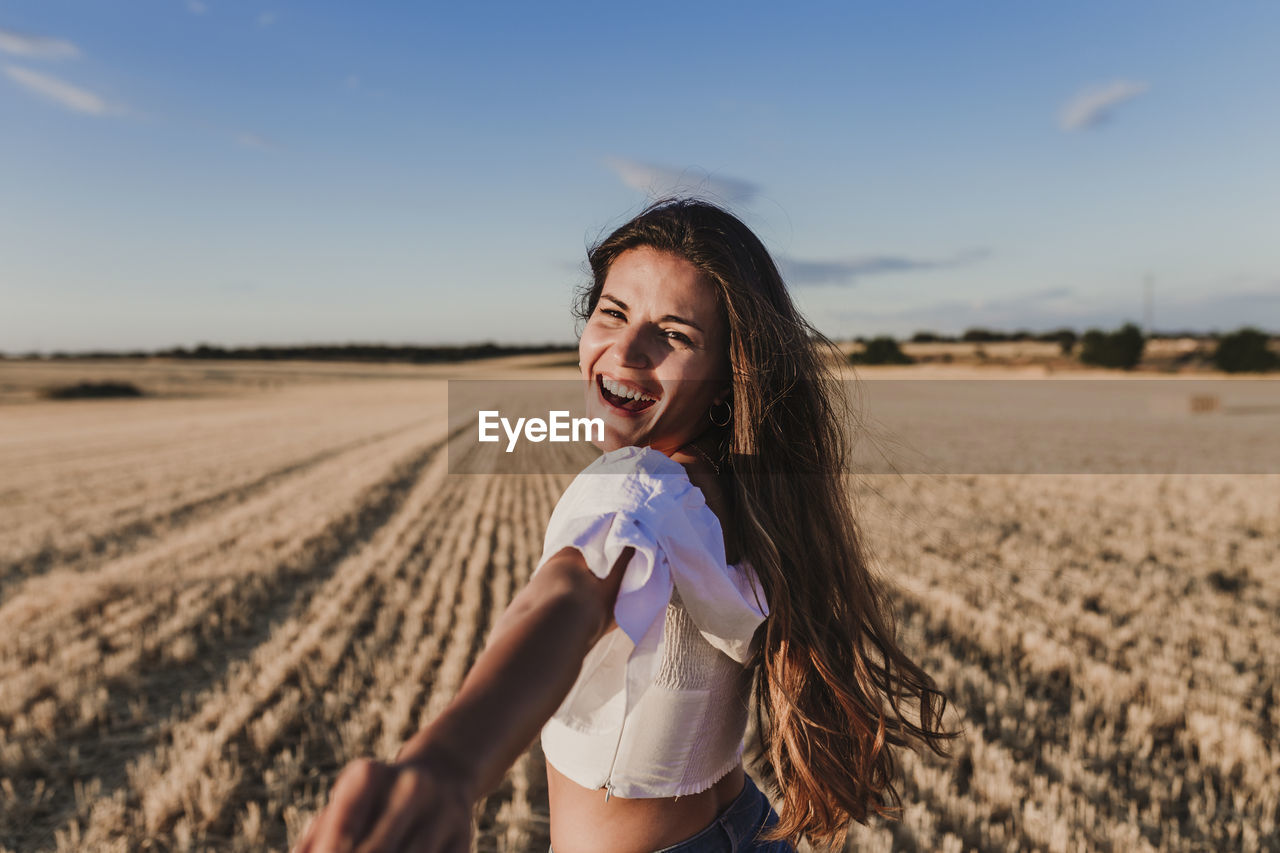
pixel 1148 305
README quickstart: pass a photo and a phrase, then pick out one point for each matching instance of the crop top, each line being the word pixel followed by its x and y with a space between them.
pixel 659 708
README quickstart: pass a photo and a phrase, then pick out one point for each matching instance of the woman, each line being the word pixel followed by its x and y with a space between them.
pixel 720 556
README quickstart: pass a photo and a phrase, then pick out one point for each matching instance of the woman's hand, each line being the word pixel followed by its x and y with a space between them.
pixel 392 806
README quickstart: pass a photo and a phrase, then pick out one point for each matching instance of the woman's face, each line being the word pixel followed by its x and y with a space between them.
pixel 654 352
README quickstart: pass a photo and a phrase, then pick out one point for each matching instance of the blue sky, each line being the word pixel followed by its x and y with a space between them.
pixel 174 171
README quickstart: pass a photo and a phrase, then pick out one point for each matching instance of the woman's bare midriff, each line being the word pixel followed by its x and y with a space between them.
pixel 582 822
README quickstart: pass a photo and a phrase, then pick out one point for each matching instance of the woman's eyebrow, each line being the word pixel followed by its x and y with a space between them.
pixel 668 317
pixel 673 318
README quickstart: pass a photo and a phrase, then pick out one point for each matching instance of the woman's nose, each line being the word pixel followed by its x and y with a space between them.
pixel 629 348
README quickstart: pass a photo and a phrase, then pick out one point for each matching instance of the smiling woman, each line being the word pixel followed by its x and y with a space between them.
pixel 707 562
pixel 654 352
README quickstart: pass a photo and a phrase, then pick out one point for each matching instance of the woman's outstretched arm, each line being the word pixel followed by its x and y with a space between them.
pixel 423 800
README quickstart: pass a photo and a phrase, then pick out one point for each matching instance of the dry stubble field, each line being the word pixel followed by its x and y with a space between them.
pixel 212 600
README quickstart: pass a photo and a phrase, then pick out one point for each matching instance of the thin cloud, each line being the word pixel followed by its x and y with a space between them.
pixel 1047 308
pixel 36 47
pixel 62 93
pixel 1255 304
pixel 195 7
pixel 247 139
pixel 266 19
pixel 1094 107
pixel 665 180
pixel 1224 311
pixel 849 270
pixel 353 84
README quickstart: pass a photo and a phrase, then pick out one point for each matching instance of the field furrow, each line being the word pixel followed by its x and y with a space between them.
pixel 317 505
pixel 378 720
pixel 514 818
pixel 92 545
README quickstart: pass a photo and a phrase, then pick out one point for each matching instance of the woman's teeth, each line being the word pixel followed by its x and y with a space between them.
pixel 619 390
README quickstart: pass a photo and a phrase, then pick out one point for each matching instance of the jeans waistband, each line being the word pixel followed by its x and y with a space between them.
pixel 736 828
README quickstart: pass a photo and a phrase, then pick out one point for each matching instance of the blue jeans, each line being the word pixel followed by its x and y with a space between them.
pixel 735 830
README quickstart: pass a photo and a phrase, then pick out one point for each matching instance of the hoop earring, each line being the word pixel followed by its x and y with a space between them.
pixel 727 418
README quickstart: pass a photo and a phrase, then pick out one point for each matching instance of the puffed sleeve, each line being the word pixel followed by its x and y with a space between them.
pixel 639 498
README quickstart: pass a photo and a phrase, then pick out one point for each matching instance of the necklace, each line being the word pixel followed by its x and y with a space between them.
pixel 706 456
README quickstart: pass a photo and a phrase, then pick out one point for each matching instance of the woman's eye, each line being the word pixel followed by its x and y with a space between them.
pixel 679 336
pixel 613 312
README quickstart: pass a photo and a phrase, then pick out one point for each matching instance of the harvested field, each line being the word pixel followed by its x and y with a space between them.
pixel 213 599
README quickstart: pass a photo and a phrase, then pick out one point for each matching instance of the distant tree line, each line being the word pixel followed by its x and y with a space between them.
pixel 1245 350
pixel 329 352
pixel 983 335
pixel 881 350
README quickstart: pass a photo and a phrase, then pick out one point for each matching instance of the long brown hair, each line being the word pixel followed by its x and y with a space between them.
pixel 834 691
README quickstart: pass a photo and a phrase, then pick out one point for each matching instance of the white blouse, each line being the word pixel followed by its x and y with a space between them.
pixel 660 706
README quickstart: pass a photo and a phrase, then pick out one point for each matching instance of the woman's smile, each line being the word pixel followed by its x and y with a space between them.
pixel 623 397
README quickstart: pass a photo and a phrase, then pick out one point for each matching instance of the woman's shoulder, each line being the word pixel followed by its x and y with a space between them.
pixel 651 484
pixel 708 481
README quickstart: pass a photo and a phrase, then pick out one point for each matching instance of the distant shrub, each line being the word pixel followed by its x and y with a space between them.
pixel 93 391
pixel 982 336
pixel 1245 351
pixel 882 350
pixel 1121 348
pixel 1064 338
pixel 926 338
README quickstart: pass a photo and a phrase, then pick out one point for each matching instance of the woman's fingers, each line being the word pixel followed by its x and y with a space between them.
pixel 360 789
pixel 405 803
pixel 312 834
pixel 391 807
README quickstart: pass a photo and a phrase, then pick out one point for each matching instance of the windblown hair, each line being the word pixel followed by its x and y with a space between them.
pixel 834 691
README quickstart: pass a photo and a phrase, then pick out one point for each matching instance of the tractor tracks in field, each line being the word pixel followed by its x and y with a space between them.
pixel 137 678
pixel 101 546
